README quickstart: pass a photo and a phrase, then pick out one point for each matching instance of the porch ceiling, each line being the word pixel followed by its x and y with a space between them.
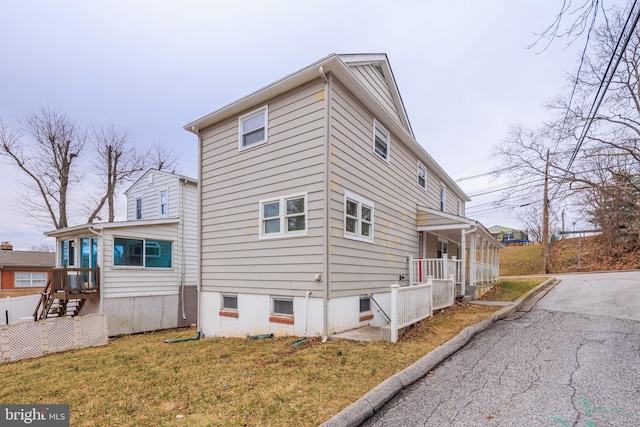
pixel 450 226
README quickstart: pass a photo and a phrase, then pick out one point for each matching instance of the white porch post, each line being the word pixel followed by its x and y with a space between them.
pixel 411 272
pixel 482 255
pixel 472 260
pixel 463 254
pixel 394 313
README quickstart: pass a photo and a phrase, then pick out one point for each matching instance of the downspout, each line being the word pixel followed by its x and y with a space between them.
pixel 100 263
pixel 198 270
pixel 327 197
pixel 182 245
pixel 464 259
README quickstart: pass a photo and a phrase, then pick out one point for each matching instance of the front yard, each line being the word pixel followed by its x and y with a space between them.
pixel 141 381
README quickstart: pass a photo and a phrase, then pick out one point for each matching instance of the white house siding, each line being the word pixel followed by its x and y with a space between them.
pixel 361 267
pixel 150 195
pixel 233 258
pixel 378 86
pixel 136 282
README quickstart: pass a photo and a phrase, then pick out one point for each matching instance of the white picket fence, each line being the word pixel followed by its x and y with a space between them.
pixel 17 309
pixel 28 340
pixel 411 304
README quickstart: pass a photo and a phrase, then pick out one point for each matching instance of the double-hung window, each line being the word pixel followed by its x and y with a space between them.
pixel 422 176
pixel 381 144
pixel 358 217
pixel 443 197
pixel 138 208
pixel 164 203
pixel 30 279
pixel 252 128
pixel 283 216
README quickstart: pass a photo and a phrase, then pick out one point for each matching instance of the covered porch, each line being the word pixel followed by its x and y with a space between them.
pixel 473 262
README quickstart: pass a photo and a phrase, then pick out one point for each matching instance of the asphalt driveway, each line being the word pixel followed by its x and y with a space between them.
pixel 574 360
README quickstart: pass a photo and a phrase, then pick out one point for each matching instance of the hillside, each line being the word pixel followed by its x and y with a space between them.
pixel 595 255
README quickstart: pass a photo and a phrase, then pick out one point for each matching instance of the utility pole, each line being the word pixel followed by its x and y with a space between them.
pixel 545 219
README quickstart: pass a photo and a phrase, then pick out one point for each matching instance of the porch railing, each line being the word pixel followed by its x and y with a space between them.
pixel 486 273
pixel 409 305
pixel 420 269
pixel 66 284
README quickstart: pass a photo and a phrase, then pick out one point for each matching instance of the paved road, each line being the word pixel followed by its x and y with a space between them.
pixel 574 360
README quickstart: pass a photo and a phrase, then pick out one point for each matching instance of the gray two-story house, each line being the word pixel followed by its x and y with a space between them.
pixel 315 196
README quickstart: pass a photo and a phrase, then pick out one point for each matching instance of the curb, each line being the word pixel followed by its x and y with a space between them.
pixel 365 407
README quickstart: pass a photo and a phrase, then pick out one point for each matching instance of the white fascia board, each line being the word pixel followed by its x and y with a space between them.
pixel 444 227
pixel 86 228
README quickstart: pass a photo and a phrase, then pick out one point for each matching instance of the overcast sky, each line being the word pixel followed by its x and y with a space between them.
pixel 151 67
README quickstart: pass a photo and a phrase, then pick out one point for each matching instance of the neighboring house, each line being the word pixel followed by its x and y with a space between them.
pixel 509 236
pixel 314 196
pixel 147 265
pixel 24 272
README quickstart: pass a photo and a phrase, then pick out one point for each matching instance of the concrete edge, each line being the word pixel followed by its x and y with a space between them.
pixel 365 407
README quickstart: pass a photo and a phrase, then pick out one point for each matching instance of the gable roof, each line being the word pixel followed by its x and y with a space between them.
pixel 27 259
pixel 157 171
pixel 340 66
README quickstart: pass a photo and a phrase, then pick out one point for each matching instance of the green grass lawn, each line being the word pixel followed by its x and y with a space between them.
pixel 510 289
pixel 138 380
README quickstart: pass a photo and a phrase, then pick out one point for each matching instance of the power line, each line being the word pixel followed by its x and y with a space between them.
pixel 604 85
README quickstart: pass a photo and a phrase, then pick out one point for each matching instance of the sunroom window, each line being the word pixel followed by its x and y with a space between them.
pixel 142 253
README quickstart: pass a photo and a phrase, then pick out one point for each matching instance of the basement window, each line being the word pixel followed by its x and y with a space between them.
pixel 282 306
pixel 365 304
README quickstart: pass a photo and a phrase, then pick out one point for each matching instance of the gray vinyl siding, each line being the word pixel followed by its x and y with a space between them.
pixel 363 267
pixel 378 86
pixel 233 258
pixel 132 281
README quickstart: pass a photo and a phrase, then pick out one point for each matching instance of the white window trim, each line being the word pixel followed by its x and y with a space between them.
pixel 273 307
pixel 360 200
pixel 222 297
pixel 144 255
pixel 443 197
pixel 283 217
pixel 160 203
pixel 135 208
pixel 443 242
pixel 421 166
pixel 266 127
pixel 31 279
pixel 377 124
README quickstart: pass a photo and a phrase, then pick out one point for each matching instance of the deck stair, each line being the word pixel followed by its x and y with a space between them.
pixel 66 292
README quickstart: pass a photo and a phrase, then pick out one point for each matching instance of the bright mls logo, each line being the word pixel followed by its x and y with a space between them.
pixel 34 415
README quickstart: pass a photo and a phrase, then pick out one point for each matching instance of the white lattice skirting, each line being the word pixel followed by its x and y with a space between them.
pixel 28 340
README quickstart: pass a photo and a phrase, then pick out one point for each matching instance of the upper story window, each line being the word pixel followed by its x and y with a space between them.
pixel 459 207
pixel 138 208
pixel 381 144
pixel 252 128
pixel 283 216
pixel 358 217
pixel 443 197
pixel 164 203
pixel 422 176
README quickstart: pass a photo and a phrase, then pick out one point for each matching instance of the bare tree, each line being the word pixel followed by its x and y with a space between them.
pixel 45 146
pixel 117 161
pixel 43 247
pixel 585 168
pixel 162 158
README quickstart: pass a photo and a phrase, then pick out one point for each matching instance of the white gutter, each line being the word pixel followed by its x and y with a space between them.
pixel 327 220
pixel 199 227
